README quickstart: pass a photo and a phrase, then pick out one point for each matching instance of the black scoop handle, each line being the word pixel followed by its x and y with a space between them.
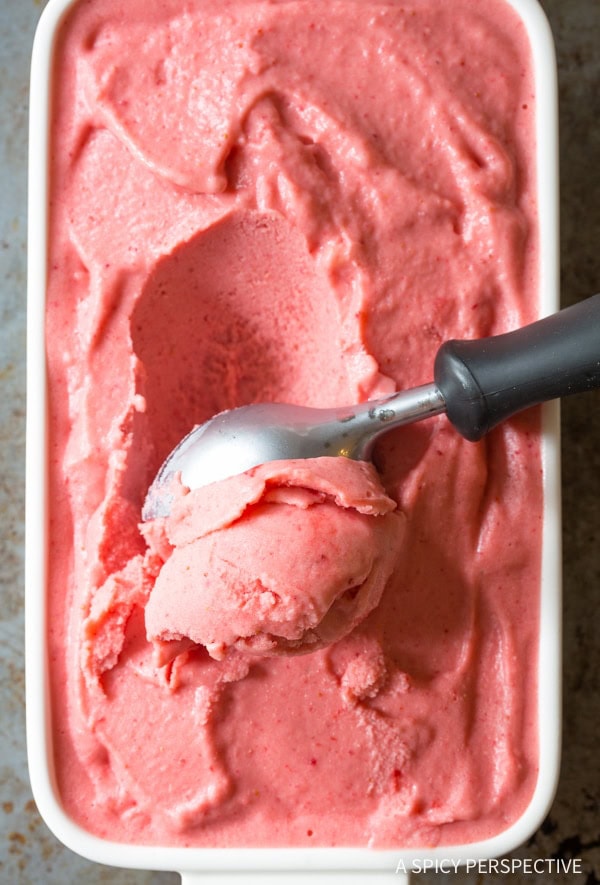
pixel 487 380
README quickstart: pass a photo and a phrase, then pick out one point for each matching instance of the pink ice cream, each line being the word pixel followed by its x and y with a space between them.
pixel 285 559
pixel 298 202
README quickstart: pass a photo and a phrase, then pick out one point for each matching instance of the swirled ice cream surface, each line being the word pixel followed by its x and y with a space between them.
pixel 290 201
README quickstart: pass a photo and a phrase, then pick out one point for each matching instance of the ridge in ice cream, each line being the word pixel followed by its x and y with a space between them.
pixel 290 201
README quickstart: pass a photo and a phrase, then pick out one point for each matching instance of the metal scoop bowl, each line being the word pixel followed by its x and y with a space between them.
pixel 477 383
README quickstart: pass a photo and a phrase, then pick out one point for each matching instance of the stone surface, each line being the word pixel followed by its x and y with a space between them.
pixel 28 852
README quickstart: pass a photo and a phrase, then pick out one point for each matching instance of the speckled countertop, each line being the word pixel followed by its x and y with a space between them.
pixel 28 852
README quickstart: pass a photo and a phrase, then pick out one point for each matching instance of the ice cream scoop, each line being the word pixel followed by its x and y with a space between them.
pixel 478 383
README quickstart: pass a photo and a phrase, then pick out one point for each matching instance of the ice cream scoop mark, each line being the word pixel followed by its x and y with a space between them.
pixel 90 40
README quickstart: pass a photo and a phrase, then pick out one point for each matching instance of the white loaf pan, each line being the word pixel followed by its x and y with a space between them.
pixel 282 864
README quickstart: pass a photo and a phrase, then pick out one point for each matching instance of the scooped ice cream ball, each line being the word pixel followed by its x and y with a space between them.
pixel 285 559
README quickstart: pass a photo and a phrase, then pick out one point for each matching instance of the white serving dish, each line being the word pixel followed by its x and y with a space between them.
pixel 288 864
